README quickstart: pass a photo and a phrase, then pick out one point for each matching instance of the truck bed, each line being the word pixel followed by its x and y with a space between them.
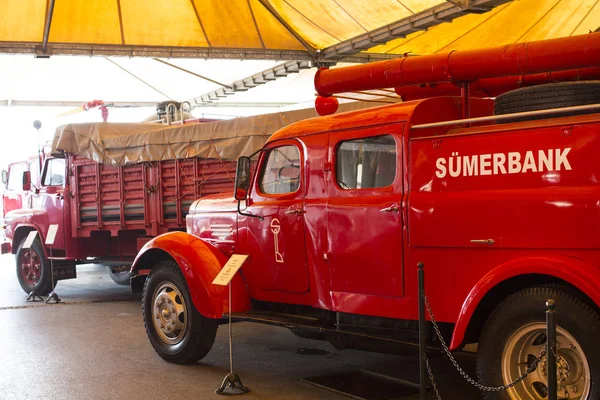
pixel 152 196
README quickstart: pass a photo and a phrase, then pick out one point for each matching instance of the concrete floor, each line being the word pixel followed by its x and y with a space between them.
pixel 94 346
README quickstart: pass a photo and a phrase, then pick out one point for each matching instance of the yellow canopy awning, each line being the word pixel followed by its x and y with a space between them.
pixel 283 29
pixel 514 22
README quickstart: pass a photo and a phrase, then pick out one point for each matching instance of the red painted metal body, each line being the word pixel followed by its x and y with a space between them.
pixel 108 212
pixel 343 254
pixel 200 263
pixel 465 65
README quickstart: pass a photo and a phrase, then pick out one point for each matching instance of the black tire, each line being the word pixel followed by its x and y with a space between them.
pixel 551 95
pixel 37 278
pixel 199 332
pixel 120 278
pixel 527 307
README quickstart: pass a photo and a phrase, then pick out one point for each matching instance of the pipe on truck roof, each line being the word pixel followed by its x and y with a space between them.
pixel 492 87
pixel 582 51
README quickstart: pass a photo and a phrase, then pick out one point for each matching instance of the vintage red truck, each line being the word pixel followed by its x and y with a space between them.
pixel 499 198
pixel 111 187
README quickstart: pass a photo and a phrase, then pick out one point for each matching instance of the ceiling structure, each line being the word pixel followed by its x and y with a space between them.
pixel 241 29
pixel 298 33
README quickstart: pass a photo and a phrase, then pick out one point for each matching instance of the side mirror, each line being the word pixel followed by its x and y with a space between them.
pixel 26 181
pixel 242 178
pixel 4 177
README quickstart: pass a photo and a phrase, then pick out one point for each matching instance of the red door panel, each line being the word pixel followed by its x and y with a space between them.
pixel 276 241
pixel 364 212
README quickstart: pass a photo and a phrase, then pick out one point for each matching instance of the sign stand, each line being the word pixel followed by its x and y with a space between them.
pixel 232 384
pixel 50 241
pixel 27 245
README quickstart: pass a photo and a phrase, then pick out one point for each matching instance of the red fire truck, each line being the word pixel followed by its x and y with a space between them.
pixel 498 197
pixel 111 187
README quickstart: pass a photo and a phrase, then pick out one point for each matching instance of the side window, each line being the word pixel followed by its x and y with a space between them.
pixel 366 163
pixel 15 177
pixel 35 172
pixel 54 175
pixel 281 172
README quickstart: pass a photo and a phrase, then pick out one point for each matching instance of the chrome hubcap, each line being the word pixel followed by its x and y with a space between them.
pixel 572 367
pixel 31 267
pixel 169 313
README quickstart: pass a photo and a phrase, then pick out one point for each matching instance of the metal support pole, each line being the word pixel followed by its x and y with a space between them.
pixel 422 371
pixel 464 93
pixel 53 296
pixel 230 335
pixel 232 384
pixel 551 355
pixel 50 12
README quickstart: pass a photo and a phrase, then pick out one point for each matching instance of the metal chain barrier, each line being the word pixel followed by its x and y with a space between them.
pixel 472 381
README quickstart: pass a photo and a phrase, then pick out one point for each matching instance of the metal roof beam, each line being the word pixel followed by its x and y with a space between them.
pixel 418 22
pixel 49 13
pixel 74 103
pixel 153 51
pixel 133 104
pixel 311 50
pixel 225 104
pixel 271 74
pixel 178 52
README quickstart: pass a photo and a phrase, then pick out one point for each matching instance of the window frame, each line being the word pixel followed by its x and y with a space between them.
pixel 263 165
pixel 336 148
pixel 45 171
pixel 19 186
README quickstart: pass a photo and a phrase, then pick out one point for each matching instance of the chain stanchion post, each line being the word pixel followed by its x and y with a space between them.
pixel 422 370
pixel 551 353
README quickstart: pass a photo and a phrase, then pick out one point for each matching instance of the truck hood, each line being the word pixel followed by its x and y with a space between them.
pixel 214 203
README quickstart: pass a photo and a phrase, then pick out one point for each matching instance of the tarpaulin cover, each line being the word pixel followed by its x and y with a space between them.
pixel 125 143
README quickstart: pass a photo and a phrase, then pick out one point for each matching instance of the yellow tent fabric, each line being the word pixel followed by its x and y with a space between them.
pixel 282 24
pixel 514 22
pixel 204 23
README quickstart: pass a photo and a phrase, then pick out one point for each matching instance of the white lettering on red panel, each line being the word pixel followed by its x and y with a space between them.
pixel 503 163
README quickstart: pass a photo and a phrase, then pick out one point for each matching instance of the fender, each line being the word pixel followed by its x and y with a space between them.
pixel 30 218
pixel 200 263
pixel 583 276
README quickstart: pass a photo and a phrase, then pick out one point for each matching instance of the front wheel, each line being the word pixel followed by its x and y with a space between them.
pixel 515 335
pixel 33 269
pixel 177 331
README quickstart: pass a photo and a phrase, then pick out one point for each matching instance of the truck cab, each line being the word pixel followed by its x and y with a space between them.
pixel 497 197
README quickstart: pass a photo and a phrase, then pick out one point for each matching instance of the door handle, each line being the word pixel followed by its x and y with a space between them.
pixel 483 241
pixel 60 196
pixel 392 208
pixel 295 211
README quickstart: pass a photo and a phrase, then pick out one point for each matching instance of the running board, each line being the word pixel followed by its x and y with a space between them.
pixel 294 321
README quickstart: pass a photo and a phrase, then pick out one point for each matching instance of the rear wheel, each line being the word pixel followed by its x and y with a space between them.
pixel 33 269
pixel 177 331
pixel 515 335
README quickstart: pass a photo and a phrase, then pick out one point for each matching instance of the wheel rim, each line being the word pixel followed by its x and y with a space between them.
pixel 169 313
pixel 30 267
pixel 572 367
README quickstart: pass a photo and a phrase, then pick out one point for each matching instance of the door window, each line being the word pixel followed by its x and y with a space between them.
pixel 54 175
pixel 15 177
pixel 281 171
pixel 366 163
